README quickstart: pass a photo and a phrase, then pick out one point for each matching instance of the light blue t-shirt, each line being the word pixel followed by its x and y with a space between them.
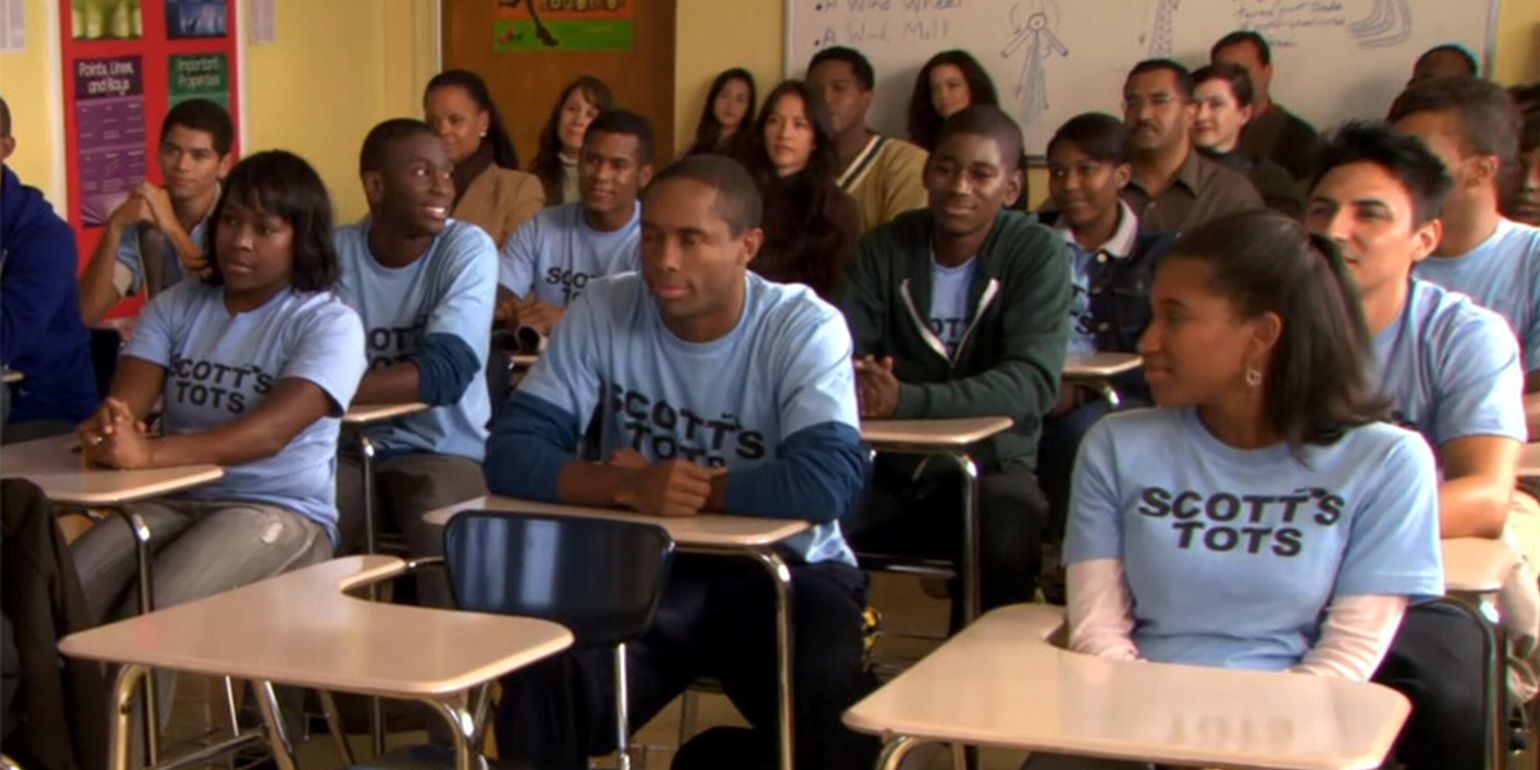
pixel 128 275
pixel 1450 368
pixel 1502 275
pixel 450 289
pixel 556 254
pixel 725 403
pixel 1232 556
pixel 949 287
pixel 220 368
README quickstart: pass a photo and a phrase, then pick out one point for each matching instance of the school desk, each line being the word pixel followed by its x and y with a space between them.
pixel 1096 370
pixel 1475 569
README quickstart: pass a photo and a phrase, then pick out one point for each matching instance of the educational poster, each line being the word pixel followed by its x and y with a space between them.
pixel 564 25
pixel 125 63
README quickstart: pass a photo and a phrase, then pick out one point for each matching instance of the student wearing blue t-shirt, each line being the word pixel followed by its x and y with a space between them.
pixel 713 390
pixel 551 258
pixel 254 365
pixel 424 285
pixel 1112 262
pixel 157 235
pixel 962 310
pixel 1286 528
pixel 1451 371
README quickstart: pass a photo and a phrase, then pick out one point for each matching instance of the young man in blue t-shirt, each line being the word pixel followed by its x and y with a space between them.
pixel 715 390
pixel 550 259
pixel 1450 370
pixel 155 237
pixel 424 285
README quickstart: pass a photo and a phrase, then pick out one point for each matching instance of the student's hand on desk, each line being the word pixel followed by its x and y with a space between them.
pixel 113 438
pixel 876 387
pixel 667 488
pixel 539 315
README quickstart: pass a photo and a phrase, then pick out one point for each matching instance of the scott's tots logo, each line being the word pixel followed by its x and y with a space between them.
pixel 1225 522
pixel 662 431
pixel 571 282
pixel 394 345
pixel 211 385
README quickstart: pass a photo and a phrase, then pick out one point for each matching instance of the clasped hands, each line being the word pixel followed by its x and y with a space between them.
pixel 114 438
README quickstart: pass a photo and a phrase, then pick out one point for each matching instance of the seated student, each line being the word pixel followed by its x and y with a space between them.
pixel 556 160
pixel 1273 132
pixel 962 310
pixel 424 285
pixel 1451 370
pixel 254 365
pixel 1112 263
pixel 1223 94
pixel 752 411
pixel 551 259
pixel 490 191
pixel 1266 418
pixel 40 331
pixel 1173 187
pixel 1449 60
pixel 811 225
pixel 882 173
pixel 727 119
pixel 156 237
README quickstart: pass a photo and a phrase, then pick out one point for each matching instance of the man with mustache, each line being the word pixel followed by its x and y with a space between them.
pixel 551 258
pixel 1173 187
pixel 424 285
pixel 154 237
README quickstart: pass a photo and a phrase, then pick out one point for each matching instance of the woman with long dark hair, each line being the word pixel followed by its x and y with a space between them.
pixel 811 226
pixel 949 83
pixel 727 119
pixel 561 140
pixel 490 191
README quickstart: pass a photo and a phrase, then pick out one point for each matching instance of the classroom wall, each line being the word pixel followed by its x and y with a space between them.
pixel 751 33
pixel 336 68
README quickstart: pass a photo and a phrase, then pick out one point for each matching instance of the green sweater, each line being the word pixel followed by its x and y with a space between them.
pixel 1009 359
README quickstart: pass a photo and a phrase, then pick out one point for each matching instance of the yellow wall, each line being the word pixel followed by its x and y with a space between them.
pixel 336 68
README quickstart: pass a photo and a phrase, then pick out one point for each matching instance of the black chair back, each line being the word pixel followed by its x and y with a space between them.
pixel 601 578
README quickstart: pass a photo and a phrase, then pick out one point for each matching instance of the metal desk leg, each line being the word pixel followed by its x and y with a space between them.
pixel 780 577
pixel 277 737
pixel 118 740
pixel 970 556
pixel 463 727
pixel 1493 673
pixel 894 750
pixel 141 532
pixel 366 452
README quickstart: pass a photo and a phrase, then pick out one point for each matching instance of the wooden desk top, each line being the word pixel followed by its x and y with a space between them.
pixel 1529 460
pixel 65 477
pixel 1000 683
pixel 369 414
pixel 1476 564
pixel 11 375
pixel 931 434
pixel 524 360
pixel 300 629
pixel 715 530
pixel 1099 365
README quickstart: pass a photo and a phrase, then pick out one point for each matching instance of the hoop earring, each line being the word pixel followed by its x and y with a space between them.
pixel 1253 376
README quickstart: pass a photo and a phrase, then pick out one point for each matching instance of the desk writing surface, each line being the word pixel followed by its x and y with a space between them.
pixel 1000 683
pixel 367 414
pixel 708 529
pixel 940 434
pixel 66 478
pixel 1476 564
pixel 1529 459
pixel 1100 364
pixel 300 629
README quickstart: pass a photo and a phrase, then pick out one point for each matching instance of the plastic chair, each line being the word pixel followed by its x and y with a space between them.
pixel 601 578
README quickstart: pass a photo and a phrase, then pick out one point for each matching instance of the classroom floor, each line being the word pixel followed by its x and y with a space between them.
pixel 905 607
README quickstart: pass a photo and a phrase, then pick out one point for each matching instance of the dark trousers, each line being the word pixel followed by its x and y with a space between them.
pixel 1056 453
pixel 1435 661
pixel 923 517
pixel 716 619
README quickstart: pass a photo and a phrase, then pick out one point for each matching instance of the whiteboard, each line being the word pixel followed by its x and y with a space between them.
pixel 1053 59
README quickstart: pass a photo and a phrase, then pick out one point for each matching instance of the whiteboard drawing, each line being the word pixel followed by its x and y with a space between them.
pixel 1388 23
pixel 1036 33
pixel 1161 27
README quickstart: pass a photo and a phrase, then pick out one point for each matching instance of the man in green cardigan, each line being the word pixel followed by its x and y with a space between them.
pixel 962 310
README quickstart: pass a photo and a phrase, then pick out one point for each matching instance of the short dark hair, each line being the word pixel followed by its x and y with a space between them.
pixel 989 122
pixel 1242 37
pixel 857 62
pixel 1489 123
pixel 503 152
pixel 1400 154
pixel 1317 385
pixel 1458 50
pixel 1097 134
pixel 547 164
pixel 627 123
pixel 1234 74
pixel 924 121
pixel 382 137
pixel 1181 73
pixel 283 184
pixel 202 115
pixel 738 201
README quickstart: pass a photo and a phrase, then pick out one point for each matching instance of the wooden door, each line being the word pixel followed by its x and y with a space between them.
pixel 525 81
